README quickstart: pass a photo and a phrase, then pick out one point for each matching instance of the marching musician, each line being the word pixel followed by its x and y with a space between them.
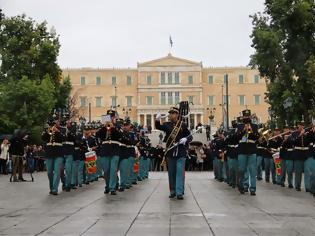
pixel 247 133
pixel 124 162
pixel 286 151
pixel 176 157
pixel 231 153
pixel 301 153
pixel 89 144
pixel 54 155
pixel 110 137
pixel 78 160
pixel 219 149
pixel 68 149
pixel 310 169
pixel 273 147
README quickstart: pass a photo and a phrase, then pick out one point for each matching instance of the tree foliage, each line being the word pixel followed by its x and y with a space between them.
pixel 31 82
pixel 283 37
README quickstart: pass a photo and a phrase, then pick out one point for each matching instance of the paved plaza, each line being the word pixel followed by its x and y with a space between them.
pixel 209 208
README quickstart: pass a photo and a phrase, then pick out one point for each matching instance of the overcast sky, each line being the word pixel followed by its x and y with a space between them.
pixel 120 33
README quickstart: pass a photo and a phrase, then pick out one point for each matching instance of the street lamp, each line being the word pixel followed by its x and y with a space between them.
pixel 286 105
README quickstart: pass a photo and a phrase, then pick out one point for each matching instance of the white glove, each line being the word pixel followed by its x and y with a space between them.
pixel 182 141
pixel 158 116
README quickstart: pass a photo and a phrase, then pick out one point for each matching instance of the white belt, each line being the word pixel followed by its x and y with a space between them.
pixel 274 149
pixel 248 141
pixel 233 146
pixel 54 144
pixel 76 148
pixel 112 142
pixel 69 143
pixel 301 148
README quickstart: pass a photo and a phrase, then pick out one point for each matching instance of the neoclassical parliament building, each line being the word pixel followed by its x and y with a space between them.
pixel 155 86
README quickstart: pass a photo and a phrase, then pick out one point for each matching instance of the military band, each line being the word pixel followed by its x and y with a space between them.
pixel 121 154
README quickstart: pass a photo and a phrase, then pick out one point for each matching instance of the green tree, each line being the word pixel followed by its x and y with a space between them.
pixel 31 82
pixel 284 43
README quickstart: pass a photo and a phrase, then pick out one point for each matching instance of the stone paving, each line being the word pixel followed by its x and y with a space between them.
pixel 209 208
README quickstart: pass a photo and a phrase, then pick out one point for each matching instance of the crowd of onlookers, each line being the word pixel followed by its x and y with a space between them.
pixel 32 160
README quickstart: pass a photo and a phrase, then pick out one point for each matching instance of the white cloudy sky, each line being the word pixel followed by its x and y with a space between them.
pixel 120 33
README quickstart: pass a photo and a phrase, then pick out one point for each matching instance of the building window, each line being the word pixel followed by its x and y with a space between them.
pixel 177 97
pixel 241 79
pixel 162 77
pixel 256 79
pixel 210 79
pixel 129 81
pixel 169 77
pixel 149 80
pixel 149 100
pixel 176 77
pixel 190 79
pixel 114 101
pixel 163 98
pixel 98 80
pixel 170 98
pixel 114 80
pixel 129 101
pixel 191 99
pixel 257 99
pixel 211 100
pixel 241 100
pixel 225 78
pixel 224 99
pixel 82 101
pixel 82 81
pixel 98 101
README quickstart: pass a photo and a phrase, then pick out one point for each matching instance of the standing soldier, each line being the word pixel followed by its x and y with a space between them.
pixel 54 155
pixel 247 134
pixel 219 153
pixel 176 157
pixel 110 137
pixel 311 167
pixel 68 149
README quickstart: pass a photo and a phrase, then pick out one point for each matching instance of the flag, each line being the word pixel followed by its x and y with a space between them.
pixel 171 42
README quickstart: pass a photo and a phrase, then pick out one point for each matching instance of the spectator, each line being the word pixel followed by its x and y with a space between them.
pixel 4 156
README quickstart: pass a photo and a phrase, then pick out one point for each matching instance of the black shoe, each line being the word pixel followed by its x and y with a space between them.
pixel 282 185
pixel 80 185
pixel 172 195
pixel 22 180
pixel 121 189
pixel 298 189
pixel 259 178
pixel 73 187
pixel 68 189
pixel 307 190
pixel 241 191
pixel 290 186
pixel 106 191
pixel 87 183
pixel 267 180
pixel 54 193
pixel 128 187
pixel 134 183
pixel 274 182
pixel 252 193
pixel 113 193
pixel 246 190
pixel 180 197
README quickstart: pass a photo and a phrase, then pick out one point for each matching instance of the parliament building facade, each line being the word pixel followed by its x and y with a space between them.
pixel 155 86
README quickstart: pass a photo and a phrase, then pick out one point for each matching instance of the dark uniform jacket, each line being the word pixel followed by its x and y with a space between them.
pixel 110 139
pixel 68 144
pixel 17 145
pixel 301 145
pixel 53 146
pixel 247 141
pixel 167 127
pixel 231 145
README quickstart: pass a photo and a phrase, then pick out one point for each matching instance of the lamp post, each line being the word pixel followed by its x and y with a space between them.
pixel 211 117
pixel 286 105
